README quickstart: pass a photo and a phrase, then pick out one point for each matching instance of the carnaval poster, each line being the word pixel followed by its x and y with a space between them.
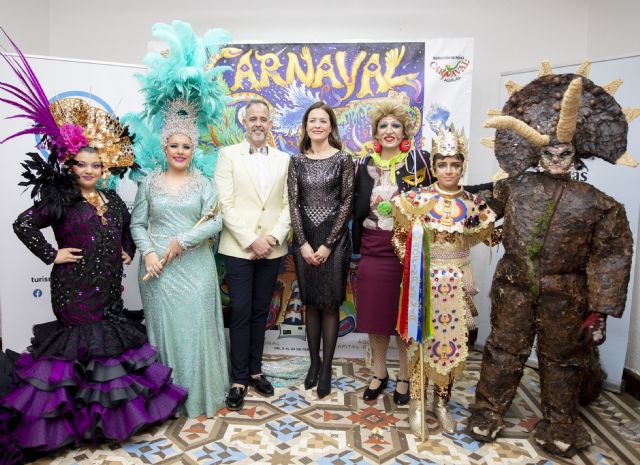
pixel 290 77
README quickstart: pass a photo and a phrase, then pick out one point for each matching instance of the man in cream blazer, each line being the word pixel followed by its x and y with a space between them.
pixel 251 182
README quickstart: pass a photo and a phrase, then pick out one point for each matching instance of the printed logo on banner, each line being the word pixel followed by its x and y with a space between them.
pixel 37 293
pixel 580 175
pixel 450 68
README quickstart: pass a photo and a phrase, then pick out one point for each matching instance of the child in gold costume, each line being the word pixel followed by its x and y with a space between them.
pixel 434 229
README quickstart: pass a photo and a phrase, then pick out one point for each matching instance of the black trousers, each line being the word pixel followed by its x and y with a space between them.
pixel 251 284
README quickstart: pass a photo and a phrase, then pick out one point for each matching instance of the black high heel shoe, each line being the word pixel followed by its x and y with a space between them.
pixel 372 394
pixel 324 383
pixel 312 377
pixel 401 399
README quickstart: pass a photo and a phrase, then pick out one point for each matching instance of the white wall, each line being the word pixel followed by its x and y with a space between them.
pixel 509 35
pixel 612 29
pixel 27 22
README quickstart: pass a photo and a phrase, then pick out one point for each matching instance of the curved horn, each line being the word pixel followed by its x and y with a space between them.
pixel 516 125
pixel 569 111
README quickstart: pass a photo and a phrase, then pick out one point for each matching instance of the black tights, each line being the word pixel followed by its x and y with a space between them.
pixel 322 323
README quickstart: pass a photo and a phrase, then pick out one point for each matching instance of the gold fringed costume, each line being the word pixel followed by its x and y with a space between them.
pixel 454 222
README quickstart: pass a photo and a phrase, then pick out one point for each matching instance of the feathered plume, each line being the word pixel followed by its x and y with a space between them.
pixel 181 72
pixel 51 186
pixel 31 101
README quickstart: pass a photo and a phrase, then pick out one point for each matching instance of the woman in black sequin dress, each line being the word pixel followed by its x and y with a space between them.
pixel 320 186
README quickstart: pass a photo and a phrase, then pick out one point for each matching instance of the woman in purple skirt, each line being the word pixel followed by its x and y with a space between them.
pixel 90 375
pixel 391 169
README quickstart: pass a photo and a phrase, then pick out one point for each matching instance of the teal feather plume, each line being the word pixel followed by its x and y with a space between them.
pixel 180 73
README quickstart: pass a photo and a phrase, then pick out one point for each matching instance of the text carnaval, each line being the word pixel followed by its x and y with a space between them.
pixel 313 77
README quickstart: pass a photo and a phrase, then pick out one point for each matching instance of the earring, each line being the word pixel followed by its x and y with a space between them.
pixel 377 147
pixel 405 145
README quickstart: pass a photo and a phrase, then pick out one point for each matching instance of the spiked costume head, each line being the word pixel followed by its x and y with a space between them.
pixel 449 143
pixel 182 95
pixel 560 109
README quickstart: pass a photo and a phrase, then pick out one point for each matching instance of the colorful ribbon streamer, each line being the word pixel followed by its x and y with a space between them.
pixel 414 315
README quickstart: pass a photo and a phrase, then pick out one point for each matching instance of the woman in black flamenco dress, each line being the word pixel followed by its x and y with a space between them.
pixel 90 374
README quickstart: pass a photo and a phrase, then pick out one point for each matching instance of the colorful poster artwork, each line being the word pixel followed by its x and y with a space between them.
pixel 290 77
pixel 350 78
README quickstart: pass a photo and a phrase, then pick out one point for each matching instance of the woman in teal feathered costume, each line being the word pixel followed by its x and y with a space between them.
pixel 175 213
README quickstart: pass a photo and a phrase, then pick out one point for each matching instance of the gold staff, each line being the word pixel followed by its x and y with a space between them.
pixel 423 407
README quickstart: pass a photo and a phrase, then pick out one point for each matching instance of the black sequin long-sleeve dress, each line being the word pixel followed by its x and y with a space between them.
pixel 321 201
pixel 90 374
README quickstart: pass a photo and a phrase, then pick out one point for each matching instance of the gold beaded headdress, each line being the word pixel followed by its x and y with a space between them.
pixel 101 131
pixel 448 143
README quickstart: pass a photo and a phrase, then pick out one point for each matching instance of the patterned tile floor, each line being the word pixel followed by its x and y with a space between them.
pixel 294 427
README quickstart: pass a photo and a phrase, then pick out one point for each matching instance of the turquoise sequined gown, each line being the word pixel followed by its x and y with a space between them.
pixel 182 306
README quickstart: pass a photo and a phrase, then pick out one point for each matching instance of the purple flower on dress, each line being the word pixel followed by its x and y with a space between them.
pixel 72 137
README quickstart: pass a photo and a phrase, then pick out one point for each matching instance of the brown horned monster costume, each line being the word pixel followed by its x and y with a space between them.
pixel 567 246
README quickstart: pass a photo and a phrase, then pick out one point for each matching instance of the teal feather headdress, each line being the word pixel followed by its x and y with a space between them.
pixel 180 73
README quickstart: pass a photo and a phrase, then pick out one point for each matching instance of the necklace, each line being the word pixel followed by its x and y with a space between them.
pixel 98 203
pixel 443 192
pixel 389 164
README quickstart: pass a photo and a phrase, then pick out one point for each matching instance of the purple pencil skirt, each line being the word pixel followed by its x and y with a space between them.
pixel 378 281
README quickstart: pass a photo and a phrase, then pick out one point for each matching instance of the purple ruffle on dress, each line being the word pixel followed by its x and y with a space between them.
pixel 62 402
pixel 10 453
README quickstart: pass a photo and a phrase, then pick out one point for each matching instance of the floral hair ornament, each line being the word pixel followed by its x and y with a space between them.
pixel 72 137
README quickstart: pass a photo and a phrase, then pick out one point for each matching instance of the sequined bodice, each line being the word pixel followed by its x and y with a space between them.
pixel 318 194
pixel 81 291
pixel 173 211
